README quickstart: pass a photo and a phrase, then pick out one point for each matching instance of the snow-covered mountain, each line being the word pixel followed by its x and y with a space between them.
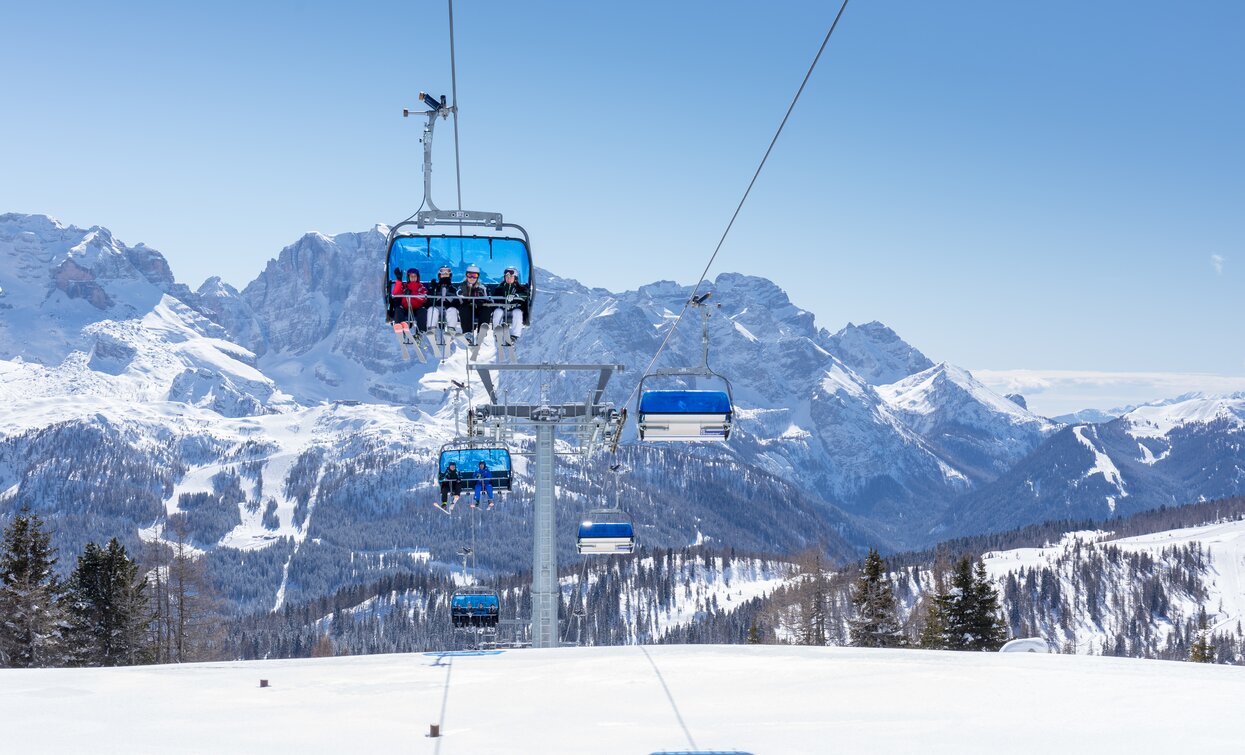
pixel 1165 454
pixel 83 314
pixel 280 429
pixel 877 353
pixel 975 429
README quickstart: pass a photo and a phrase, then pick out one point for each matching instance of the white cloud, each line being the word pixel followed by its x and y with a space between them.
pixel 1055 392
pixel 1216 261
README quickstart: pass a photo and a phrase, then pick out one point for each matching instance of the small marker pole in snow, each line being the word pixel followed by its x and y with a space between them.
pixel 434 730
pixel 263 682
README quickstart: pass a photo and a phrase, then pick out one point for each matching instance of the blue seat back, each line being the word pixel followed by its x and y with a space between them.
pixel 612 530
pixel 685 402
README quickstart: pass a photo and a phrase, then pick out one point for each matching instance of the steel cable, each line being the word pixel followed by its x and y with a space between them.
pixel 696 289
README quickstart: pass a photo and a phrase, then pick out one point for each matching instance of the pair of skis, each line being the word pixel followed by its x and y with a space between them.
pixel 409 338
pixel 447 510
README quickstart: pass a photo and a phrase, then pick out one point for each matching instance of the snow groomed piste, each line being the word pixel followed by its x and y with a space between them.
pixel 669 698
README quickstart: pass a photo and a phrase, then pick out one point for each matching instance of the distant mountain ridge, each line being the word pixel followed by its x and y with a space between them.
pixel 856 437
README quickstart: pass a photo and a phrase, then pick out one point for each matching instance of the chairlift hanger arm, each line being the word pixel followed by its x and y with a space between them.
pixel 434 215
pixel 435 109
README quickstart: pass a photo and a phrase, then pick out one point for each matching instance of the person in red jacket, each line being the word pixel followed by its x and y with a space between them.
pixel 408 300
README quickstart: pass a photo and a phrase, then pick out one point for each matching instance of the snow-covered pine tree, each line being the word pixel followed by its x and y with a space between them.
pixel 966 616
pixel 109 609
pixel 32 617
pixel 875 623
pixel 986 628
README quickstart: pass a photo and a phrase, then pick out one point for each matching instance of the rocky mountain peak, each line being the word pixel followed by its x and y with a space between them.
pixel 877 353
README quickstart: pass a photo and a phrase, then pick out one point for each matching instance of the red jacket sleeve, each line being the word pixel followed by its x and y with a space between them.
pixel 418 295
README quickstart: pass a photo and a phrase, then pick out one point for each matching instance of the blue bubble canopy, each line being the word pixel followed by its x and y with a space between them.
pixel 467 460
pixel 428 254
pixel 474 607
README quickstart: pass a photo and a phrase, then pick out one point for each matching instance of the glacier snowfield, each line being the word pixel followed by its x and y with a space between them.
pixel 635 699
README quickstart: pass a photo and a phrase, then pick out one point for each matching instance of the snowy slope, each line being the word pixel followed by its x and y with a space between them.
pixel 757 699
pixel 1220 586
pixel 1224 544
pixel 1169 454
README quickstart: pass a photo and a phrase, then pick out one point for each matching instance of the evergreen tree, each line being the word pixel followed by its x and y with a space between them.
pixel 754 634
pixel 32 623
pixel 958 607
pixel 109 610
pixel 1202 650
pixel 966 615
pixel 932 634
pixel 986 629
pixel 817 594
pixel 876 620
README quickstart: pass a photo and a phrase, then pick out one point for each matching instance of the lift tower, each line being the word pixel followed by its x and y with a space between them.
pixel 585 425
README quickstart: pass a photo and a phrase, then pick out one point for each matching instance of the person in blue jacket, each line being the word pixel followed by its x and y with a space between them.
pixel 483 481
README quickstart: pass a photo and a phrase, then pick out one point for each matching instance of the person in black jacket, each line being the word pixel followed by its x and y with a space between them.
pixel 474 302
pixel 443 302
pixel 451 484
pixel 510 303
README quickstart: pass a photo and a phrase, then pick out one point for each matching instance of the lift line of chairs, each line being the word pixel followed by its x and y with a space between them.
pixel 429 244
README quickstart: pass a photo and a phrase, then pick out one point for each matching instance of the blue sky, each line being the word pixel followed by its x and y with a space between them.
pixel 1053 185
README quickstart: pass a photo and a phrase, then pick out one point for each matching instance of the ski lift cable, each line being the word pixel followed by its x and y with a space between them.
pixel 458 175
pixel 696 289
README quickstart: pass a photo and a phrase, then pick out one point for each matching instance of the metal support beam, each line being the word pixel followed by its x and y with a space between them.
pixel 605 370
pixel 544 546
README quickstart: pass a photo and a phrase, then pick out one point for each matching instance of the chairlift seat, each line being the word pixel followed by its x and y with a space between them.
pixel 468 458
pixel 612 533
pixel 685 415
pixel 474 607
